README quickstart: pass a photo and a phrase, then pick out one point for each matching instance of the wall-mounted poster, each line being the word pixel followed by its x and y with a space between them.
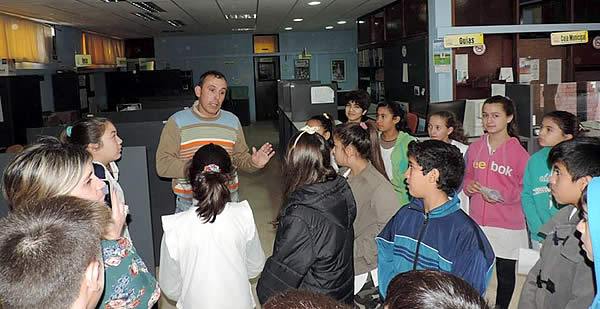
pixel 338 70
pixel 302 69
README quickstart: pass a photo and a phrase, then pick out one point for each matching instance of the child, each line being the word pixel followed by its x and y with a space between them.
pixel 357 105
pixel 326 126
pixel 493 181
pixel 211 250
pixel 50 168
pixel 588 225
pixel 432 232
pixel 394 139
pixel 538 206
pixel 314 240
pixel 432 289
pixel 561 278
pixel 51 254
pixel 444 126
pixel 357 148
pixel 99 137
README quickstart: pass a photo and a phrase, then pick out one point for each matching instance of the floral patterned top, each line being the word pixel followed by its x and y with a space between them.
pixel 128 284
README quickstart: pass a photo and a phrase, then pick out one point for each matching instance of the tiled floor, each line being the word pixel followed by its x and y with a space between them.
pixel 263 191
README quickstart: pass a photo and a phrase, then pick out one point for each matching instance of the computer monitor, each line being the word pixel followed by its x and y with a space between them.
pixel 457 107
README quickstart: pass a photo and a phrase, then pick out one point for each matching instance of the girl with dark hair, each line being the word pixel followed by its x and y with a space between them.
pixel 357 149
pixel 494 181
pixel 314 240
pixel 444 126
pixel 209 251
pixel 394 140
pixel 538 205
pixel 99 137
pixel 324 122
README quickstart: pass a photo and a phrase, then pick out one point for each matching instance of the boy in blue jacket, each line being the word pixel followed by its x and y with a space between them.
pixel 432 232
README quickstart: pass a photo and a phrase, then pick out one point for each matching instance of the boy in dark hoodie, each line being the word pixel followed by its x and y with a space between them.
pixel 432 232
pixel 562 278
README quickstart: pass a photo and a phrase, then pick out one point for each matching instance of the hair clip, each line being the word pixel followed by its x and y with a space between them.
pixel 305 129
pixel 68 130
pixel 363 125
pixel 212 168
pixel 326 116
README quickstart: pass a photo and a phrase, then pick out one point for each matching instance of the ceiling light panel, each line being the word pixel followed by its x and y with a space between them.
pixel 150 7
pixel 147 16
pixel 175 23
pixel 313 3
pixel 240 16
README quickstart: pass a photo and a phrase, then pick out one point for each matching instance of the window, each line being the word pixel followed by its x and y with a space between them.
pixel 266 44
pixel 24 40
pixel 104 50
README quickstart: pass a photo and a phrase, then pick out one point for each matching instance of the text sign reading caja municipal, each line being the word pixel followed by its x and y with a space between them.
pixel 463 40
pixel 569 37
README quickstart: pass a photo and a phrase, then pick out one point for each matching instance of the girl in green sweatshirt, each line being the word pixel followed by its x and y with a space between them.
pixel 538 205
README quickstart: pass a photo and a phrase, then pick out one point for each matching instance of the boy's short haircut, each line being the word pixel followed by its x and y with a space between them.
pixel 45 248
pixel 303 299
pixel 580 155
pixel 431 289
pixel 447 159
pixel 360 97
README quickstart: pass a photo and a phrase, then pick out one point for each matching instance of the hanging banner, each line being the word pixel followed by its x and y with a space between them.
pixel 569 37
pixel 463 40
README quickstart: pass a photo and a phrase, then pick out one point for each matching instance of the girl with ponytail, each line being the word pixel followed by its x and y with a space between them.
pixel 357 149
pixel 213 248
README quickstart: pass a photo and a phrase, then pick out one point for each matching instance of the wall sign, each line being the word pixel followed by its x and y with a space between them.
pixel 596 42
pixel 463 40
pixel 569 37
pixel 83 60
pixel 479 49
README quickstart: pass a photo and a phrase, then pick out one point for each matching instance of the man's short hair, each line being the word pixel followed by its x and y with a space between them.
pixel 431 289
pixel 45 248
pixel 360 97
pixel 303 299
pixel 216 74
pixel 580 155
pixel 442 156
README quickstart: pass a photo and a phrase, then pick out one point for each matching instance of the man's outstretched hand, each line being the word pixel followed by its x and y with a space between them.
pixel 261 157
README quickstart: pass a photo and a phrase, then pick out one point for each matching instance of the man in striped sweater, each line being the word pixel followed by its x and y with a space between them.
pixel 202 124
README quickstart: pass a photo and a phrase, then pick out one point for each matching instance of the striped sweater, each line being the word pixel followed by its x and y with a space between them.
pixel 185 132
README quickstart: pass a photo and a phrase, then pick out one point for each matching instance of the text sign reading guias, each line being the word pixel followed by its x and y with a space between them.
pixel 463 40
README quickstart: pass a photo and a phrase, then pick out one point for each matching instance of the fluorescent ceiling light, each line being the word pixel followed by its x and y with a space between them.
pixel 314 3
pixel 243 29
pixel 147 16
pixel 360 21
pixel 288 28
pixel 298 19
pixel 341 22
pixel 240 16
pixel 175 23
pixel 329 27
pixel 148 7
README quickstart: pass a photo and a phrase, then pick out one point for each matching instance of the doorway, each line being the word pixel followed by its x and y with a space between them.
pixel 266 74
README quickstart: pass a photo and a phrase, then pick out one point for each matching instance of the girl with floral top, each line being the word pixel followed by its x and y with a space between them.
pixel 51 168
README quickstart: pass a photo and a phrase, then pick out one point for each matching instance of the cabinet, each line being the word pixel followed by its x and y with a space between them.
pixel 21 107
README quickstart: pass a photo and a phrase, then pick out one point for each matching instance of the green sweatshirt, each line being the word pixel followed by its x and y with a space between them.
pixel 538 205
pixel 399 166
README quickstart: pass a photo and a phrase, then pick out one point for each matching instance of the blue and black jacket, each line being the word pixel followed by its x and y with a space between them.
pixel 445 239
